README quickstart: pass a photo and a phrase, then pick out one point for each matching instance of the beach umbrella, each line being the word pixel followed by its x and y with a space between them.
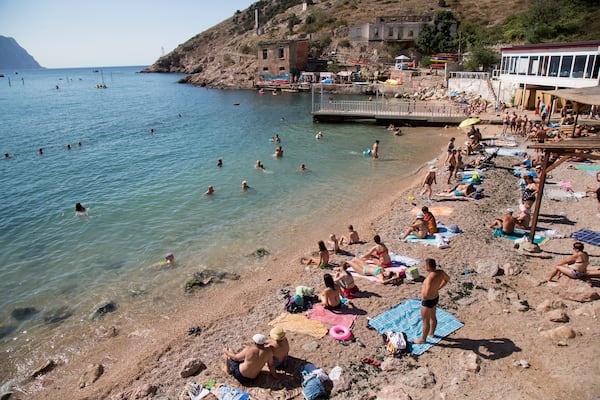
pixel 402 57
pixel 469 122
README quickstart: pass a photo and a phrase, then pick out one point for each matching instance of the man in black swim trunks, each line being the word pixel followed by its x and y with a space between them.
pixel 436 279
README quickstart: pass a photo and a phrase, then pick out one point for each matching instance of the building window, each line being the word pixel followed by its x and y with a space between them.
pixel 281 68
pixel 390 32
pixel 265 54
pixel 596 67
pixel 265 68
pixel 543 70
pixel 522 64
pixel 554 63
pixel 512 69
pixel 534 61
pixel 281 53
pixel 411 34
pixel 565 68
pixel 579 66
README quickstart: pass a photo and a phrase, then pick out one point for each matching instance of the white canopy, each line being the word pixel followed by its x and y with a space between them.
pixel 402 57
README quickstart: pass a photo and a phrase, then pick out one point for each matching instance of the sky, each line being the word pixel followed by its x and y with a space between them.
pixel 85 33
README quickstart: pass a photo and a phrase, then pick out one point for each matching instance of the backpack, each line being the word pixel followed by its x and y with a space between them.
pixel 396 343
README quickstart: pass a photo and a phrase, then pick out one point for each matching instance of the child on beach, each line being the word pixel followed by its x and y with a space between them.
pixel 334 245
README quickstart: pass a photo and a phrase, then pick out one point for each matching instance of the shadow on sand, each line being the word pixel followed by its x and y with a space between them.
pixel 489 349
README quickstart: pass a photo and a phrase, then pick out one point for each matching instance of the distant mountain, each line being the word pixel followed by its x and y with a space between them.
pixel 13 56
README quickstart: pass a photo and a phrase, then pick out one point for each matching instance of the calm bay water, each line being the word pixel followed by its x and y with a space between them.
pixel 144 192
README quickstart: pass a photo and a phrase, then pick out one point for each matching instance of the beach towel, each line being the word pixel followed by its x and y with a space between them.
pixel 436 211
pixel 343 316
pixel 431 240
pixel 472 179
pixel 505 152
pixel 587 167
pixel 519 234
pixel 406 317
pixel 301 324
pixel 587 236
pixel 561 194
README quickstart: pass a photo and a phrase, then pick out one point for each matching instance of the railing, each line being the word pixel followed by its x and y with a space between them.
pixel 383 108
pixel 469 75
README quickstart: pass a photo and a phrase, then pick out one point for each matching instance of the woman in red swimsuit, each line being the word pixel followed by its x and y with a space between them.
pixel 379 254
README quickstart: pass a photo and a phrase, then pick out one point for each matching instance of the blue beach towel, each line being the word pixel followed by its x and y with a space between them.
pixel 519 234
pixel 431 240
pixel 587 236
pixel 406 317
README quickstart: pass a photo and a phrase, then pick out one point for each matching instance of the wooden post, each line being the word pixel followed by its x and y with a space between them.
pixel 538 202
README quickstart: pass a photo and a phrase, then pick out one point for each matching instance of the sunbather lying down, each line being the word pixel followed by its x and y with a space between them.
pixel 465 190
pixel 361 267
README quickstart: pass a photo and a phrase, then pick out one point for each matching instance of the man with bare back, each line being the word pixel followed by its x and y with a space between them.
pixel 436 279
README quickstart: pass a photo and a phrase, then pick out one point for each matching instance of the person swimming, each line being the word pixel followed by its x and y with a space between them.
pixel 80 210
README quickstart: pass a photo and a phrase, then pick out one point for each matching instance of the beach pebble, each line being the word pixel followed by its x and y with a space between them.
pixel 420 378
pixel 562 332
pixel 311 346
pixel 470 362
pixel 511 270
pixel 562 343
pixel 44 368
pixel 191 367
pixel 393 392
pixel 23 313
pixel 487 268
pixel 580 292
pixel 392 364
pixel 557 316
pixel 91 375
pixel 548 305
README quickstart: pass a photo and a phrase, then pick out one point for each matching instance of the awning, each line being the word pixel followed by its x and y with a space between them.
pixel 589 95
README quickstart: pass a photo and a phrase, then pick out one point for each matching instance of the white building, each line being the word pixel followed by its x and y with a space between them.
pixel 526 70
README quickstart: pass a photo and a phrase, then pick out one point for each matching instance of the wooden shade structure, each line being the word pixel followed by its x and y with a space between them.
pixel 564 150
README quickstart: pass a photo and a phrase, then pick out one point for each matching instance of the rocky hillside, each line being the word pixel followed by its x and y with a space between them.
pixel 13 56
pixel 225 55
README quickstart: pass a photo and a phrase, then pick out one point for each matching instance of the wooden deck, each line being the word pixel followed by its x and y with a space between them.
pixel 384 111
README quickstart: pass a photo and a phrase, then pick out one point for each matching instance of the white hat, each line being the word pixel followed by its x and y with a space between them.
pixel 259 338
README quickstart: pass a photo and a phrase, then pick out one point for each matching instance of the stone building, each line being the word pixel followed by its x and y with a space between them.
pixel 281 58
pixel 403 28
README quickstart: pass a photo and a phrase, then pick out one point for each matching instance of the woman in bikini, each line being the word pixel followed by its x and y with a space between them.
pixel 362 268
pixel 427 182
pixel 379 253
pixel 575 267
pixel 322 261
pixel 331 296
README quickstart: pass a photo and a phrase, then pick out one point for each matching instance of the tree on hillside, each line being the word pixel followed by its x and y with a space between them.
pixel 481 58
pixel 440 37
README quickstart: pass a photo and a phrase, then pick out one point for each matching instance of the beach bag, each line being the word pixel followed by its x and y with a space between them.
pixel 295 304
pixel 412 273
pixel 396 343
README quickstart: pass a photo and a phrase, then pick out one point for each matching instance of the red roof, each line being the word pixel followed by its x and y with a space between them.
pixel 553 46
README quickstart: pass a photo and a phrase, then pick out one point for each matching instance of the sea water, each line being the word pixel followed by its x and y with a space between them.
pixel 143 152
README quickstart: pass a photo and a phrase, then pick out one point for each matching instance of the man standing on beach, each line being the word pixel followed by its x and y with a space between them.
pixel 436 279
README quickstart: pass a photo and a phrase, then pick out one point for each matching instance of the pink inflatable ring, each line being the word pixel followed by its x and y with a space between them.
pixel 340 332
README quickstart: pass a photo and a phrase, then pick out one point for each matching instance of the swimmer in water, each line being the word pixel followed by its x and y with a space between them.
pixel 245 185
pixel 319 135
pixel 220 162
pixel 278 152
pixel 259 165
pixel 80 210
pixel 210 190
pixel 303 168
pixel 169 258
pixel 41 151
pixel 68 147
pixel 6 155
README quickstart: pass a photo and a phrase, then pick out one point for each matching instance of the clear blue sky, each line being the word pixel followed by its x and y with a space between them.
pixel 85 33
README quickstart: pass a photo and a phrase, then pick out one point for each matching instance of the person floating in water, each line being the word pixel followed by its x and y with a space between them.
pixel 6 155
pixel 220 162
pixel 68 147
pixel 80 210
pixel 245 185
pixel 169 258
pixel 210 190
pixel 259 165
pixel 41 151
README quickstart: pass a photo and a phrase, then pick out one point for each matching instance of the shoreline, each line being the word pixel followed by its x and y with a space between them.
pixel 134 359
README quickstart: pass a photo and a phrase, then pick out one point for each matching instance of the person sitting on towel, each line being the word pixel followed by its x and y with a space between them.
pixel 418 228
pixel 430 219
pixel 506 223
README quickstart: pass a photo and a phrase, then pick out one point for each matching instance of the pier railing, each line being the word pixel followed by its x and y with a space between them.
pixel 389 109
pixel 469 75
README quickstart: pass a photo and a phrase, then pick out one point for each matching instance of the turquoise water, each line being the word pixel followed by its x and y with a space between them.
pixel 144 192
